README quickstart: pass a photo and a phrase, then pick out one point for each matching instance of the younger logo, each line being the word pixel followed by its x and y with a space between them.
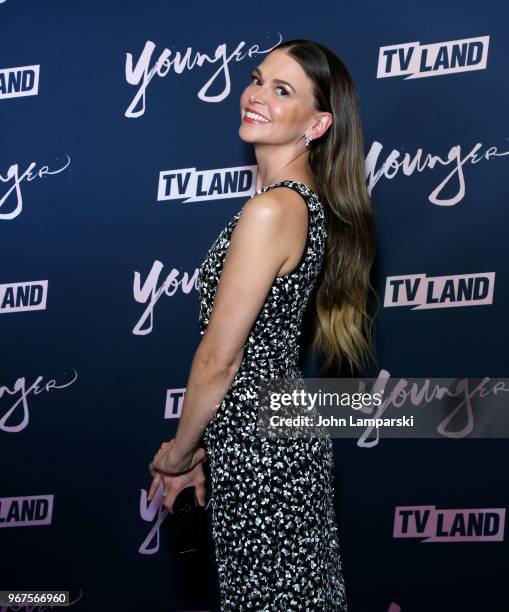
pixel 415 61
pixel 154 513
pixel 149 291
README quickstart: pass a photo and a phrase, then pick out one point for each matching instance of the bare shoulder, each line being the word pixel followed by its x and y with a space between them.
pixel 278 207
pixel 277 221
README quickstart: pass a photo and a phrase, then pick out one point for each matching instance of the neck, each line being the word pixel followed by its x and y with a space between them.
pixel 277 164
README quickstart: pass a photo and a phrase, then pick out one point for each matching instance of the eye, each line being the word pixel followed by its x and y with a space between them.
pixel 285 91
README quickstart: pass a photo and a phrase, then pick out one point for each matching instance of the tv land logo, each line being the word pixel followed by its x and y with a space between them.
pixel 203 185
pixel 415 61
pixel 174 402
pixel 425 292
pixel 23 297
pixel 451 525
pixel 20 81
pixel 26 511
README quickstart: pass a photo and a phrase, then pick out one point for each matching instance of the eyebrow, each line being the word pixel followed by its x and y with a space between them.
pixel 276 80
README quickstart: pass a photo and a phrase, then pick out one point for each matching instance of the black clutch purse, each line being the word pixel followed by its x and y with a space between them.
pixel 187 522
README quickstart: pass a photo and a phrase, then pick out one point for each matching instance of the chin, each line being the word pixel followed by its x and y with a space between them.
pixel 245 137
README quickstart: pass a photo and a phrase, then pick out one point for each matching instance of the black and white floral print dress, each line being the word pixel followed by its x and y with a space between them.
pixel 273 519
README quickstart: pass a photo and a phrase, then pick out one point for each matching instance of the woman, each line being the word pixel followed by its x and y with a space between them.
pixel 308 226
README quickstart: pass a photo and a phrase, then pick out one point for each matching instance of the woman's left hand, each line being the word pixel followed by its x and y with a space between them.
pixel 167 462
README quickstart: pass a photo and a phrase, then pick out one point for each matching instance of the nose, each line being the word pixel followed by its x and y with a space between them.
pixel 257 95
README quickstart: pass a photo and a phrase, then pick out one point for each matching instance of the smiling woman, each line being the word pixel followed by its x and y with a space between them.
pixel 308 227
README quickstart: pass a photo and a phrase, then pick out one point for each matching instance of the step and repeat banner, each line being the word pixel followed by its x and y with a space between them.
pixel 120 163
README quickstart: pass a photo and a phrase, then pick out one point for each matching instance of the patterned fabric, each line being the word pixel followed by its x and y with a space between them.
pixel 273 519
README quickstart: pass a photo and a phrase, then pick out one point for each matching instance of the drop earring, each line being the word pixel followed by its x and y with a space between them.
pixel 308 139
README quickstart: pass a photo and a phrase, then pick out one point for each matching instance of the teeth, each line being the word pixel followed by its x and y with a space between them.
pixel 256 117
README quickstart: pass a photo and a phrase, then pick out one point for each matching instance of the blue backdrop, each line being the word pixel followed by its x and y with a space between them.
pixel 120 163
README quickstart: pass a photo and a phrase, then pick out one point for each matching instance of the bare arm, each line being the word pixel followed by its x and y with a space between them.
pixel 254 257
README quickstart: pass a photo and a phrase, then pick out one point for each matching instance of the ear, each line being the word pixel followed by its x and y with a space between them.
pixel 322 123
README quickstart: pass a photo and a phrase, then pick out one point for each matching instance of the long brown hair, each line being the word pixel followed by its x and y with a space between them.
pixel 344 322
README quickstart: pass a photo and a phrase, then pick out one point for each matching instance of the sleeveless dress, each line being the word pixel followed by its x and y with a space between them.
pixel 273 520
